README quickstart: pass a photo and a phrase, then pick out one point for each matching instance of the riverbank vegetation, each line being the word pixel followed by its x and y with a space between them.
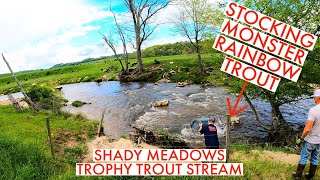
pixel 25 152
pixel 280 131
pixel 185 67
pixel 24 146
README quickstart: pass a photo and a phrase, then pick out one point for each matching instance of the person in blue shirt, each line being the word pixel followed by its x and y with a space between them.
pixel 210 134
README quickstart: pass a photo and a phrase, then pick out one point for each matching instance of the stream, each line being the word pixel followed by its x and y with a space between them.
pixel 131 104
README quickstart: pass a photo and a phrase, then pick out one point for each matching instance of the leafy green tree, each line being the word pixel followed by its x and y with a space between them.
pixel 196 19
pixel 301 15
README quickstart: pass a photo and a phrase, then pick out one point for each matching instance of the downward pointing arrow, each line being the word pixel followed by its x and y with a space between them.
pixel 234 111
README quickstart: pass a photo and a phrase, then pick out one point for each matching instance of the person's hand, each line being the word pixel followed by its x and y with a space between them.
pixel 200 124
pixel 299 141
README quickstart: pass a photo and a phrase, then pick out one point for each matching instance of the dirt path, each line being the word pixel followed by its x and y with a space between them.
pixel 280 157
pixel 7 102
pixel 21 103
pixel 105 143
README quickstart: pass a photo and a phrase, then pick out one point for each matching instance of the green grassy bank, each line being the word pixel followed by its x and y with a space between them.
pixel 186 68
pixel 24 147
pixel 25 154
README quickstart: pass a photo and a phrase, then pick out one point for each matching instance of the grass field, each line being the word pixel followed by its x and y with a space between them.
pixel 24 147
pixel 94 70
pixel 25 154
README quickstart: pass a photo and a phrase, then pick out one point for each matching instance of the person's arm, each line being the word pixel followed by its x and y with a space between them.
pixel 309 124
pixel 307 128
pixel 200 131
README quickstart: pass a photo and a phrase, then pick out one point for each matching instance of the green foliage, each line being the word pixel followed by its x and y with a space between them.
pixel 124 136
pixel 75 154
pixel 23 161
pixel 45 97
pixel 24 147
pixel 310 71
pixel 88 72
pixel 295 14
pixel 37 92
pixel 77 103
pixel 300 14
pixel 177 48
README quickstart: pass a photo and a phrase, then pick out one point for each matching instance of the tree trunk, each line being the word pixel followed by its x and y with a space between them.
pixel 281 133
pixel 138 46
pixel 139 60
pixel 258 120
pixel 122 68
pixel 126 60
pixel 14 102
pixel 202 71
pixel 278 121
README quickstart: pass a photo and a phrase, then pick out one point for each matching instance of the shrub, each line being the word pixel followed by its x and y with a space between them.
pixel 77 103
pixel 45 97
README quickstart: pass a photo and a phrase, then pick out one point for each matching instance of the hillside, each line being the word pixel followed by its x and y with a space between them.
pixel 178 48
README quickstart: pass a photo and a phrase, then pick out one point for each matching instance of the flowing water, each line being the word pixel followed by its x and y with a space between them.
pixel 131 104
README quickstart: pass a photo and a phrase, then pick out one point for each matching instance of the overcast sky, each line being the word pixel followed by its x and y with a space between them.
pixel 37 34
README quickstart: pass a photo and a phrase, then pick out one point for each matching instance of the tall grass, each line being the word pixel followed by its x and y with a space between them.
pixel 24 148
pixel 23 161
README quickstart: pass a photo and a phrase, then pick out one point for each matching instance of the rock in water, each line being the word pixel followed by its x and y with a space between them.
pixel 59 88
pixel 183 84
pixel 161 103
pixel 164 80
pixel 99 81
pixel 235 121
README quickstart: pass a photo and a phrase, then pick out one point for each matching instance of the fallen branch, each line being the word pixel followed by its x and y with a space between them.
pixel 28 100
pixel 262 124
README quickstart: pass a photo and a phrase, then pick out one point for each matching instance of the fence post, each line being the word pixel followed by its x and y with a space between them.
pixel 49 136
pixel 100 124
pixel 53 105
pixel 228 137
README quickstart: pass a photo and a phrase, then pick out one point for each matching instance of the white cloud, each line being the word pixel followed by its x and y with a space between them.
pixel 36 33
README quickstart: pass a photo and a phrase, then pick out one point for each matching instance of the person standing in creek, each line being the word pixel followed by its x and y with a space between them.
pixel 311 141
pixel 210 134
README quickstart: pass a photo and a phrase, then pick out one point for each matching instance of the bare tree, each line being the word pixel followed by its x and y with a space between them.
pixel 110 42
pixel 121 33
pixel 142 11
pixel 195 20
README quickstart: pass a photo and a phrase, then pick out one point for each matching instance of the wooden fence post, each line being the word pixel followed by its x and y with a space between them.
pixel 14 102
pixel 228 137
pixel 49 136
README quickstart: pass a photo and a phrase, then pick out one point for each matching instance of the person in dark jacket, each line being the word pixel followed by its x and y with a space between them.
pixel 210 134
